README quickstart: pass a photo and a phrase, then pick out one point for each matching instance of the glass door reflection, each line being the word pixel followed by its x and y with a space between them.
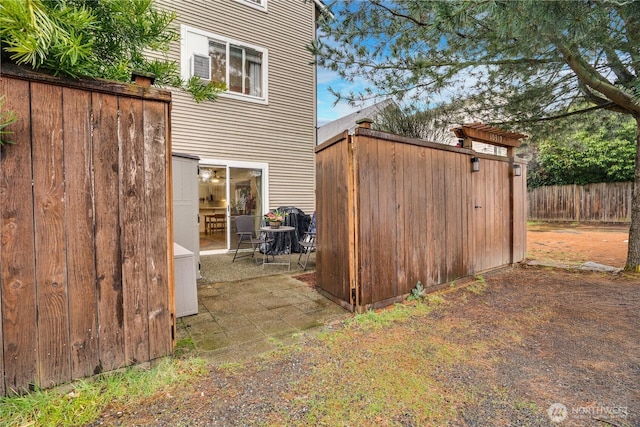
pixel 245 197
pixel 226 192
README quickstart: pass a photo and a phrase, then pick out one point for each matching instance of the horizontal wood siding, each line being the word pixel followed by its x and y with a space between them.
pixel 85 279
pixel 420 215
pixel 281 133
pixel 601 202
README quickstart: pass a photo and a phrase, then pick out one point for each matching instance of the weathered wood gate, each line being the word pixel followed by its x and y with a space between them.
pixel 85 281
pixel 393 211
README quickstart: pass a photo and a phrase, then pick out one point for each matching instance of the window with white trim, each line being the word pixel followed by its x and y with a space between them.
pixel 242 67
pixel 258 4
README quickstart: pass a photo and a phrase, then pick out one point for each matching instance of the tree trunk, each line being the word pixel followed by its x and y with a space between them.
pixel 633 256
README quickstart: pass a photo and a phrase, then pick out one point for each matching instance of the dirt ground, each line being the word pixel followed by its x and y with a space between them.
pixel 573 245
pixel 547 346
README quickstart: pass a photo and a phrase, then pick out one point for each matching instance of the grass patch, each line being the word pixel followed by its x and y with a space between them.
pixel 82 401
pixel 184 346
pixel 479 286
pixel 231 367
pixel 381 371
pixel 378 377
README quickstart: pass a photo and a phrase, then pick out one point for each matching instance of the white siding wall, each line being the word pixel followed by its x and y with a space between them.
pixel 281 132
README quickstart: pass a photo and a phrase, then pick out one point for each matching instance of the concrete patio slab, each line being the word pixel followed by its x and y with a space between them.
pixel 241 318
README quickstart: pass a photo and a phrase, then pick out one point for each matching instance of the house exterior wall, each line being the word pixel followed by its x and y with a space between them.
pixel 279 130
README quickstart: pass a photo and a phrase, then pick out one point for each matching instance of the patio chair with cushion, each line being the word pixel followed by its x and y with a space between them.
pixel 308 243
pixel 245 229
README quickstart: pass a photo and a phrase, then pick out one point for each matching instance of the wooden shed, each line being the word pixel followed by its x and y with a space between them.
pixel 85 278
pixel 393 211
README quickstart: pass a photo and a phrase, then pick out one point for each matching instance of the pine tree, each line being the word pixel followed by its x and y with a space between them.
pixel 517 62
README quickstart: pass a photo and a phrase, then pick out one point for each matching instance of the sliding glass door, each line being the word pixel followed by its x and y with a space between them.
pixel 227 190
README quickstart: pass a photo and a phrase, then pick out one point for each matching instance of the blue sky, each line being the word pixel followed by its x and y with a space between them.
pixel 326 111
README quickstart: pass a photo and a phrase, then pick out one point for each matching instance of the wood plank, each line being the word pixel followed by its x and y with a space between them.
pixel 132 215
pixel 386 204
pixel 519 216
pixel 450 217
pixel 170 229
pixel 439 223
pixel 467 216
pixel 403 231
pixel 458 216
pixel 333 221
pixel 17 251
pixel 79 219
pixel 506 206
pixel 364 188
pixel 49 211
pixel 345 173
pixel 427 225
pixel 480 217
pixel 106 153
pixel 411 213
pixel 93 85
pixel 155 226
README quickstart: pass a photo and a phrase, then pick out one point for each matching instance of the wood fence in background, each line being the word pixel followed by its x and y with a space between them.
pixel 603 202
pixel 85 282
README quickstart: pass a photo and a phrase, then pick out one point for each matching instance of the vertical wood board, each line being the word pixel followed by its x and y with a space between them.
pixel 79 229
pixel 106 154
pixel 134 248
pixel 17 277
pixel 49 211
pixel 156 159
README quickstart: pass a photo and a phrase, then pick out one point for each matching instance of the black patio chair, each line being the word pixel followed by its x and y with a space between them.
pixel 307 243
pixel 245 229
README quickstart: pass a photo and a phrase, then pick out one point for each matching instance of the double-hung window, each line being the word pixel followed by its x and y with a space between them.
pixel 242 67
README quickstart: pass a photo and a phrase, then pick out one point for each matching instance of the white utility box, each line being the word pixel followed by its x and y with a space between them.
pixel 186 287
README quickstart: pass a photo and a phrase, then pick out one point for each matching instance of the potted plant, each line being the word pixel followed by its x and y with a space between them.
pixel 275 218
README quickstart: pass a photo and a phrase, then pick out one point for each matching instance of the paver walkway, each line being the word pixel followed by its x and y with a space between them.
pixel 237 320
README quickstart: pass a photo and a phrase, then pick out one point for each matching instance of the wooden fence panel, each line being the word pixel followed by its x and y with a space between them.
pixel 106 153
pixel 81 277
pixel 506 211
pixel 520 215
pixel 17 277
pixel 402 219
pixel 367 219
pixel 466 199
pixel 481 223
pixel 157 157
pixel 418 202
pixel 132 210
pixel 49 211
pixel 85 281
pixel 438 223
pixel 600 202
pixel 419 214
pixel 411 222
pixel 334 241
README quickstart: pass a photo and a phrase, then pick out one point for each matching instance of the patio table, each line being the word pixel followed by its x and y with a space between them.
pixel 282 229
